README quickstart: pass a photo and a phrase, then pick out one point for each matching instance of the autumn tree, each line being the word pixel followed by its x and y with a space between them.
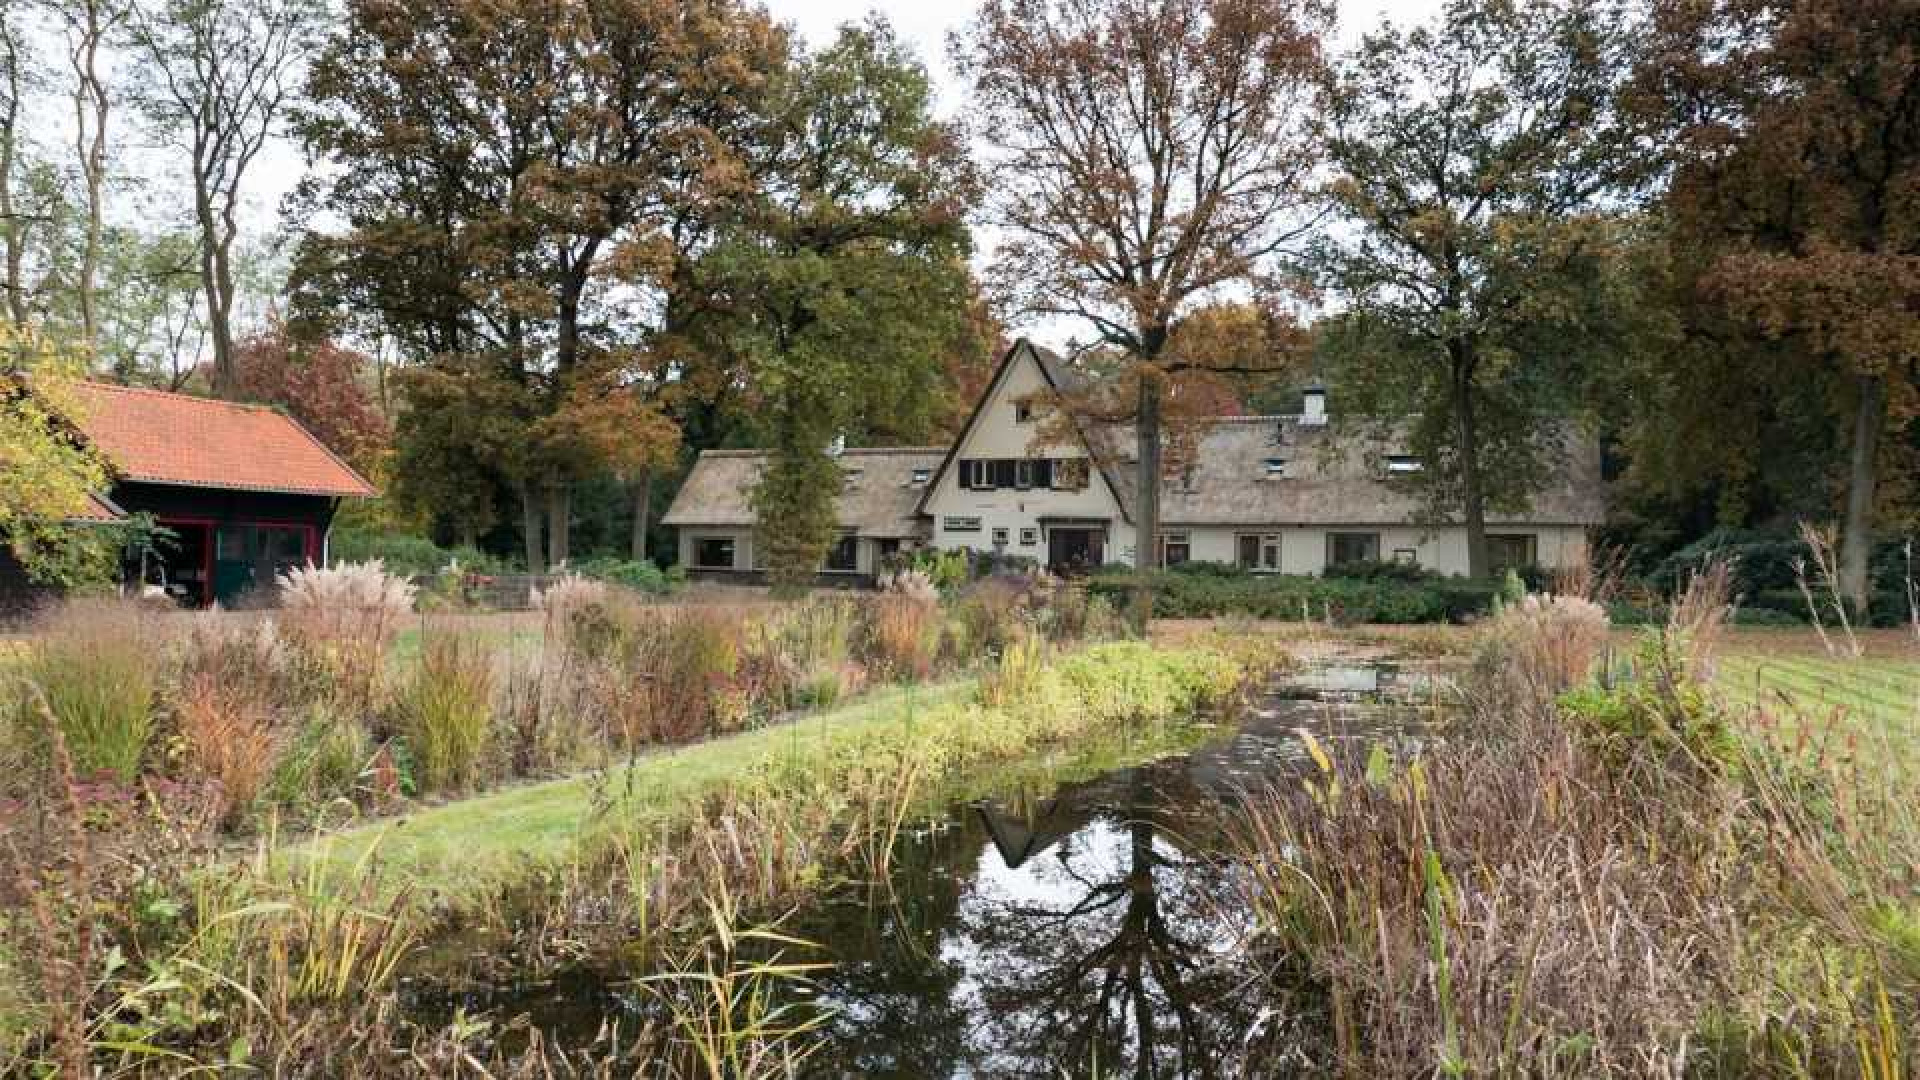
pixel 321 384
pixel 47 474
pixel 217 76
pixel 1150 158
pixel 1472 159
pixel 1794 130
pixel 509 179
pixel 844 278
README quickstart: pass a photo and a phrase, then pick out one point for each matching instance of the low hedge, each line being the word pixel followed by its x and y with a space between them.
pixel 1212 592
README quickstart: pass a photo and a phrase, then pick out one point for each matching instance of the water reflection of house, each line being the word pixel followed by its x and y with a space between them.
pixel 244 491
pixel 1020 835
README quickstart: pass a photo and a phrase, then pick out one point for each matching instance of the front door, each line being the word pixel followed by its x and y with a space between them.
pixel 1075 551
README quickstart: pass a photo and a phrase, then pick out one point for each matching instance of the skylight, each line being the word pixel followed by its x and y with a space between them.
pixel 921 476
pixel 1276 466
pixel 1402 464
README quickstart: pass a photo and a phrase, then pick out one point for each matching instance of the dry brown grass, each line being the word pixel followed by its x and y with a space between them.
pixel 1594 894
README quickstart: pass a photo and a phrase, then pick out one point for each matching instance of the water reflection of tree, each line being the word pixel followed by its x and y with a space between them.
pixel 896 1014
pixel 1118 969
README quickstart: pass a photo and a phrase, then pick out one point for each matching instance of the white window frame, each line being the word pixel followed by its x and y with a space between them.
pixel 960 524
pixel 1266 542
pixel 1029 537
pixel 1181 538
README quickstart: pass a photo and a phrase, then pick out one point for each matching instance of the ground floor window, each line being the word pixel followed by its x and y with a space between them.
pixel 713 553
pixel 844 556
pixel 1029 537
pixel 1512 551
pixel 1175 548
pixel 1258 551
pixel 999 538
pixel 1406 556
pixel 1349 547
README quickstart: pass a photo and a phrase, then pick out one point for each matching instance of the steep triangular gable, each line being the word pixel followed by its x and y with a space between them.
pixel 992 391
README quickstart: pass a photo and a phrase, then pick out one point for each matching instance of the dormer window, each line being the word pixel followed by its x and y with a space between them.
pixel 1275 466
pixel 1403 464
pixel 920 477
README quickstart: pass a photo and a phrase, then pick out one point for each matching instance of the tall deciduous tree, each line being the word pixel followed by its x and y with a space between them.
pixel 1795 130
pixel 17 77
pixel 1471 162
pixel 90 27
pixel 844 280
pixel 1151 156
pixel 216 79
pixel 511 174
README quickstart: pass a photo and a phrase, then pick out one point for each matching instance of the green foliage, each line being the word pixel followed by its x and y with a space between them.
pixel 99 678
pixel 1376 570
pixel 50 475
pixel 322 761
pixel 1178 594
pixel 1480 276
pixel 446 711
pixel 1659 704
pixel 643 576
pixel 407 554
pixel 847 278
pixel 947 570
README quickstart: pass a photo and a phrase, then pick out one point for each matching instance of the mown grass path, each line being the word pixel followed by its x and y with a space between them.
pixel 927 735
pixel 485 838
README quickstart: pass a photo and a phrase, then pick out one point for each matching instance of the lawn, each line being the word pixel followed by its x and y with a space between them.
pixel 1875 694
pixel 481 839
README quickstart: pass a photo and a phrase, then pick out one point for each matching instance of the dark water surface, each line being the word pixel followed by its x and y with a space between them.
pixel 1089 928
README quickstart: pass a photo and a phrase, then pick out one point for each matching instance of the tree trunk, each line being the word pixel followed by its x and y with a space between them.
pixel 530 530
pixel 642 514
pixel 1146 500
pixel 1863 477
pixel 12 229
pixel 216 283
pixel 1473 508
pixel 559 514
pixel 90 142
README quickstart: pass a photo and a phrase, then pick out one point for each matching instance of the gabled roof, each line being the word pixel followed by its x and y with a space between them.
pixel 878 499
pixel 1060 379
pixel 153 437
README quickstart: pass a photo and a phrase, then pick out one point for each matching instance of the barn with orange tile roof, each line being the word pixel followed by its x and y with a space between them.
pixel 243 491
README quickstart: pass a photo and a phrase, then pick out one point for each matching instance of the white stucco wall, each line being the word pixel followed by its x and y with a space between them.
pixel 1303 549
pixel 691 535
pixel 867 553
pixel 996 433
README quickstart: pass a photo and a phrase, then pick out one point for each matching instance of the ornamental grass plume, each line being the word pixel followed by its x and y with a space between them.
pixel 343 620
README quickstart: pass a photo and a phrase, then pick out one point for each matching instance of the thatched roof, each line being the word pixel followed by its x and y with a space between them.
pixel 880 497
pixel 1335 474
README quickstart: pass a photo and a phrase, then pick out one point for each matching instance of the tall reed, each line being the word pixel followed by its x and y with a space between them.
pixel 97 668
pixel 446 710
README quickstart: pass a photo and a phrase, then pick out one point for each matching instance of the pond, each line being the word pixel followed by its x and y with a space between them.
pixel 1075 929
